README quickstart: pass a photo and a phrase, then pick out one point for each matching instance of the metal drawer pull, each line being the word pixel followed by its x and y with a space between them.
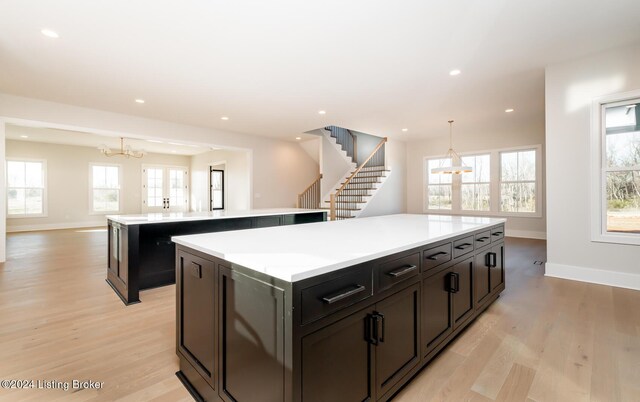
pixel 463 246
pixel 333 299
pixel 496 233
pixel 402 271
pixel 482 239
pixel 436 256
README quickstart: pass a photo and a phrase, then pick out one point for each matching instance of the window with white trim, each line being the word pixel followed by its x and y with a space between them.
pixel 26 189
pixel 503 182
pixel 439 186
pixel 476 186
pixel 518 181
pixel 616 157
pixel 105 188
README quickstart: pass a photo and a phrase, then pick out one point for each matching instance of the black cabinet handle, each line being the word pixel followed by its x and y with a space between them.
pixel 482 239
pixel 338 297
pixel 490 260
pixel 372 329
pixel 380 322
pixel 463 246
pixel 454 282
pixel 402 271
pixel 436 256
pixel 196 270
pixel 496 233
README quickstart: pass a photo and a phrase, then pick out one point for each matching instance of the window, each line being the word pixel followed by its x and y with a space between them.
pixel 26 192
pixel 439 186
pixel 476 186
pixel 155 192
pixel 518 181
pixel 616 169
pixel 503 182
pixel 105 188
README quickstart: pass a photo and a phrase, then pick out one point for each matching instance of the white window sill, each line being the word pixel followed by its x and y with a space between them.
pixel 617 238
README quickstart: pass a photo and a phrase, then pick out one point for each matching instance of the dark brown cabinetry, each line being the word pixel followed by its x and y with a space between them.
pixel 141 256
pixel 356 334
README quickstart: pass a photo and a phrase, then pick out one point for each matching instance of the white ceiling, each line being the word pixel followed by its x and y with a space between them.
pixel 374 66
pixel 82 139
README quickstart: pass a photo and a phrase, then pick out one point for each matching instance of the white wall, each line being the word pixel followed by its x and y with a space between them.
pixel 236 179
pixel 502 135
pixel 391 197
pixel 3 196
pixel 68 202
pixel 280 169
pixel 570 89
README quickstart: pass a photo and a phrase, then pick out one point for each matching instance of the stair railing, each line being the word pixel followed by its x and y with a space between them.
pixel 347 141
pixel 310 197
pixel 376 158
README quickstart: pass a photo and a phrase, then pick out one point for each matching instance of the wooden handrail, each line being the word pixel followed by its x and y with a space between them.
pixel 332 199
pixel 306 190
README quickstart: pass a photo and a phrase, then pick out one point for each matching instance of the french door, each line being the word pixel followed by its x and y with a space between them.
pixel 165 188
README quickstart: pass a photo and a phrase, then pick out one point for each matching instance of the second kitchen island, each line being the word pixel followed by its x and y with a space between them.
pixel 335 311
pixel 141 254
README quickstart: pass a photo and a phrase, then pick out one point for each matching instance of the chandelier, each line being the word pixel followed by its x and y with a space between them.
pixel 125 150
pixel 456 161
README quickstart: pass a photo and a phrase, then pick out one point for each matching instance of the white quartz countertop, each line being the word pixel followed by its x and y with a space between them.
pixel 297 252
pixel 141 219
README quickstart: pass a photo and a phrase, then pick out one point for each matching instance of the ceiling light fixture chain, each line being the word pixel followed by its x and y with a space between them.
pixel 125 151
pixel 456 161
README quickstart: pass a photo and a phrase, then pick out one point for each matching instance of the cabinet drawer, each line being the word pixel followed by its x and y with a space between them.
pixel 432 257
pixel 497 233
pixel 325 298
pixel 482 239
pixel 463 246
pixel 397 270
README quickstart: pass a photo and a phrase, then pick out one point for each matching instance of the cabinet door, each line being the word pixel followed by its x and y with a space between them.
pixel 252 320
pixel 398 349
pixel 436 310
pixel 196 314
pixel 497 268
pixel 336 363
pixel 463 292
pixel 481 278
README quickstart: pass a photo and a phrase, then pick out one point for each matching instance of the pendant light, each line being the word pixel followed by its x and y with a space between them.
pixel 125 150
pixel 456 161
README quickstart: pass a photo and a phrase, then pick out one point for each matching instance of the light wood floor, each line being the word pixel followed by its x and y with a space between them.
pixel 545 339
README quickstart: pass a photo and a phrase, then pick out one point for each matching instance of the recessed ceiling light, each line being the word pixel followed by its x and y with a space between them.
pixel 405 129
pixel 298 138
pixel 224 118
pixel 49 33
pixel 24 136
pixel 455 72
pixel 508 110
pixel 322 112
pixel 156 141
pixel 139 100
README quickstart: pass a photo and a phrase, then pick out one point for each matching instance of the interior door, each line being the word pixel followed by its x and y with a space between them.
pixel 216 182
pixel 165 189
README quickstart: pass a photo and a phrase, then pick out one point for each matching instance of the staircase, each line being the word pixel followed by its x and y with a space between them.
pixel 357 187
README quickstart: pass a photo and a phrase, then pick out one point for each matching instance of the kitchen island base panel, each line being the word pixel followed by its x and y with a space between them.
pixel 370 337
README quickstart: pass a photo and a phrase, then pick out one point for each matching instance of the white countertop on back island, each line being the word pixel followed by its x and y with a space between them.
pixel 293 253
pixel 140 219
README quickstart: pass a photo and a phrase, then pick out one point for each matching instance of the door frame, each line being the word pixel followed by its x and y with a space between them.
pixel 165 185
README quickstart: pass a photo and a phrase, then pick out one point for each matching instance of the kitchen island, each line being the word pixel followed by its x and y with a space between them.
pixel 335 311
pixel 141 254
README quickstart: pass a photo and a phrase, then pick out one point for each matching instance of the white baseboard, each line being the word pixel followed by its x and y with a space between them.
pixel 55 226
pixel 593 275
pixel 529 234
